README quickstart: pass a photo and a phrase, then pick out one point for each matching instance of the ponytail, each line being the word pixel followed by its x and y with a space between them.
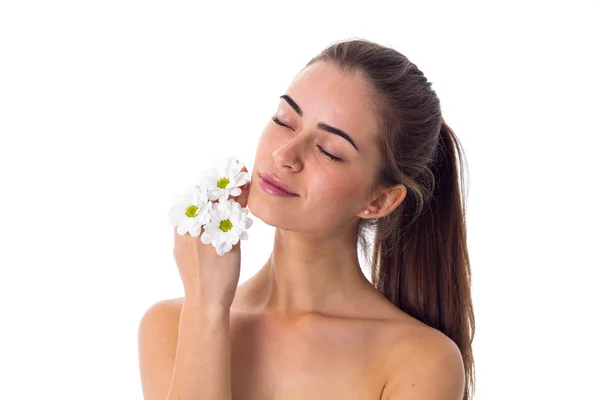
pixel 419 260
pixel 422 264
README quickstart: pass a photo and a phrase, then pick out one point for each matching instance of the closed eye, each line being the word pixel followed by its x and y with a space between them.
pixel 330 156
pixel 277 121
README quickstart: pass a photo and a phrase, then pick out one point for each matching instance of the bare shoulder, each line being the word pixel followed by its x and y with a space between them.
pixel 157 346
pixel 159 326
pixel 422 363
pixel 161 321
pixel 163 312
pixel 416 361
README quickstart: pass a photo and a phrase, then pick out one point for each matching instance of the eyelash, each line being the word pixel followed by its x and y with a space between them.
pixel 330 156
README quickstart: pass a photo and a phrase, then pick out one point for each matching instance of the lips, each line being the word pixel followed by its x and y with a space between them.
pixel 277 182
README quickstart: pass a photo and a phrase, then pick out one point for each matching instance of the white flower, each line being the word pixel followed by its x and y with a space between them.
pixel 225 223
pixel 224 179
pixel 228 224
pixel 191 211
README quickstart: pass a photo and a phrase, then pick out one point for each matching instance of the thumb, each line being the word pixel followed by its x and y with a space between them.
pixel 243 198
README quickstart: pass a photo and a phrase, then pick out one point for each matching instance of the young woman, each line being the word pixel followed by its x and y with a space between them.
pixel 357 145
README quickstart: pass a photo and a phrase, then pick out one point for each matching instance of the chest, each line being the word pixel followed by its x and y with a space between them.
pixel 336 359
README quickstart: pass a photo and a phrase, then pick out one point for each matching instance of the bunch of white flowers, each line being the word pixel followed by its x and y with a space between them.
pixel 224 222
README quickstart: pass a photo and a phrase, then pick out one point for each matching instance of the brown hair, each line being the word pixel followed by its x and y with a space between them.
pixel 420 249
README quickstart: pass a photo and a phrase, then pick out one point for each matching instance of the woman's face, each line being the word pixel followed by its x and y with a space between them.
pixel 329 194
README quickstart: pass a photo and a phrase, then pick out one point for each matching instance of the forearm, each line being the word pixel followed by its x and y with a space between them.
pixel 202 369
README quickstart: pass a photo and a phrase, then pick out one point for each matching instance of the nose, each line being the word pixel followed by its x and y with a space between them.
pixel 286 156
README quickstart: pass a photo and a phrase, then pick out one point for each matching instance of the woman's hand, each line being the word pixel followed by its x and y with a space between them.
pixel 209 280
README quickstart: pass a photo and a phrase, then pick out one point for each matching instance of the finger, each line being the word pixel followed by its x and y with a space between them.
pixel 243 198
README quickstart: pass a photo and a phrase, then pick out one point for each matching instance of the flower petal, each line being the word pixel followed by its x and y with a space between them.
pixel 195 232
pixel 231 167
pixel 181 230
pixel 208 179
pixel 223 209
pixel 214 194
pixel 223 248
pixel 224 195
pixel 241 179
pixel 205 237
pixel 235 218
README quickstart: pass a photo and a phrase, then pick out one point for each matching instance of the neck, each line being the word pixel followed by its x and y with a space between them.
pixel 309 275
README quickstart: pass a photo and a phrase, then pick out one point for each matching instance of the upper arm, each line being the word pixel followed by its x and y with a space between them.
pixel 433 371
pixel 157 344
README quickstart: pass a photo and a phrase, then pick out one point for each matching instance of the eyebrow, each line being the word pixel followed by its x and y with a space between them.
pixel 320 125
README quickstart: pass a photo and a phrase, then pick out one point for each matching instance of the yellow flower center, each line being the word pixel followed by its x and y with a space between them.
pixel 222 183
pixel 225 225
pixel 191 211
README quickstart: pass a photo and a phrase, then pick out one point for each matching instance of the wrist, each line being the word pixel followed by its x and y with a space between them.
pixel 198 304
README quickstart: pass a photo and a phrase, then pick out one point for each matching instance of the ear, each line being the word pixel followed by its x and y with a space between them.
pixel 385 202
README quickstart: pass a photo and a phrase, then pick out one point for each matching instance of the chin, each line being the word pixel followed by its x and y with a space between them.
pixel 262 211
pixel 258 208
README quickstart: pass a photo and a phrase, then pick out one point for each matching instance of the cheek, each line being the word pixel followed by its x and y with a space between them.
pixel 341 191
pixel 331 188
pixel 267 141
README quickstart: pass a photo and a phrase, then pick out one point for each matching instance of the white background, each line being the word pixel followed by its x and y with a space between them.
pixel 109 108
